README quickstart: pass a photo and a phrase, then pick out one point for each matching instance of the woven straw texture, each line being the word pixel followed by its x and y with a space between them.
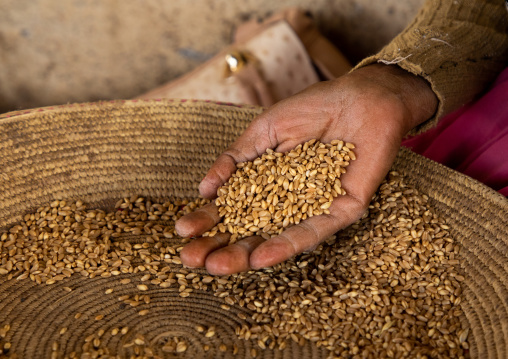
pixel 102 152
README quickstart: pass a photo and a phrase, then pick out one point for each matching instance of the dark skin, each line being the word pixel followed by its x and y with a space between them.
pixel 373 107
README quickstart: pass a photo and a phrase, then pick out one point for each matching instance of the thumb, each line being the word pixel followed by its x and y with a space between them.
pixel 251 144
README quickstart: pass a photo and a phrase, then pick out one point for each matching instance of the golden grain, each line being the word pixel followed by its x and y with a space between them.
pixel 181 347
pixel 142 287
pixel 391 277
pixel 278 190
pixel 210 332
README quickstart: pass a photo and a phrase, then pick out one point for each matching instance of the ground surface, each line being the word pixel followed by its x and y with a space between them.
pixel 54 52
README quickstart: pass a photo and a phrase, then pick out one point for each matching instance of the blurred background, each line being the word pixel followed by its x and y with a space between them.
pixel 55 52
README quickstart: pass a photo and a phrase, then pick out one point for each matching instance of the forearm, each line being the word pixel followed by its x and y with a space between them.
pixel 458 47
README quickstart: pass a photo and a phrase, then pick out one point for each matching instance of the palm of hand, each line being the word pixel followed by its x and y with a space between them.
pixel 353 108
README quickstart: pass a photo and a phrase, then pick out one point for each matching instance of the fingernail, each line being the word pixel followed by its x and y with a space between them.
pixel 204 188
pixel 180 231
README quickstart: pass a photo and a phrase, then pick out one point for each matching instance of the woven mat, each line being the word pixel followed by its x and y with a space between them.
pixel 102 152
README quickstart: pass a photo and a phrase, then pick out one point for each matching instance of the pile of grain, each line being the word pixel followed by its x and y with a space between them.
pixel 65 238
pixel 277 190
pixel 388 286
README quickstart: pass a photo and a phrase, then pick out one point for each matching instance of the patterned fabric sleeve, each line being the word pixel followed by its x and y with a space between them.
pixel 458 46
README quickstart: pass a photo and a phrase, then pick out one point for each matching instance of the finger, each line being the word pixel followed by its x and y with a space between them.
pixel 251 144
pixel 308 234
pixel 198 222
pixel 194 254
pixel 233 258
pixel 373 162
pixel 223 167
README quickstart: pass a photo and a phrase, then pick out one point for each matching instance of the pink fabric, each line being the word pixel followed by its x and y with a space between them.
pixel 474 139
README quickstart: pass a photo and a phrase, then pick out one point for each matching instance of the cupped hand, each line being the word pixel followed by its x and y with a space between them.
pixel 373 108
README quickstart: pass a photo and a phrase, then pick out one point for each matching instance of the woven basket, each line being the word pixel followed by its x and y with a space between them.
pixel 101 152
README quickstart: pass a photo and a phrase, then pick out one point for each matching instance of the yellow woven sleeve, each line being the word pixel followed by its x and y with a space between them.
pixel 458 46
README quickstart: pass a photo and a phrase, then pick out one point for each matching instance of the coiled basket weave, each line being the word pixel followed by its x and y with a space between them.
pixel 102 152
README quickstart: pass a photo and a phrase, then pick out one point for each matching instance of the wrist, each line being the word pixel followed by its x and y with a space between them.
pixel 413 91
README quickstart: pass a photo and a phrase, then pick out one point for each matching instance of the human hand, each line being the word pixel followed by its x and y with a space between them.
pixel 373 107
